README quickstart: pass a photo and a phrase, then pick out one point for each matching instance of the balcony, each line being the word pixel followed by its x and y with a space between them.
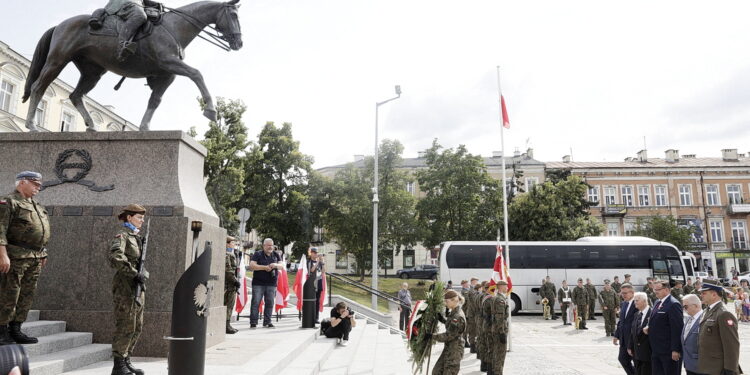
pixel 739 208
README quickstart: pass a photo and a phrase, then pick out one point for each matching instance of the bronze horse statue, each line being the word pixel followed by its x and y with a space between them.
pixel 158 57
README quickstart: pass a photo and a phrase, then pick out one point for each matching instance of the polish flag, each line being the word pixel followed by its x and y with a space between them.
pixel 500 270
pixel 323 293
pixel 299 281
pixel 241 301
pixel 282 288
pixel 506 121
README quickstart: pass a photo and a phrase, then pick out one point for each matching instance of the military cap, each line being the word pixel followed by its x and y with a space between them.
pixel 474 278
pixel 580 279
pixel 711 284
pixel 29 175
pixel 314 250
pixel 464 281
pixel 678 282
pixel 502 282
pixel 131 209
pixel 606 281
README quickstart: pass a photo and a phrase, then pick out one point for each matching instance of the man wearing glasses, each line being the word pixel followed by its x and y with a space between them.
pixel 24 233
pixel 664 331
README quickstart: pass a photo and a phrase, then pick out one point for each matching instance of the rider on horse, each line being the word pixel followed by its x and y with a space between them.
pixel 134 16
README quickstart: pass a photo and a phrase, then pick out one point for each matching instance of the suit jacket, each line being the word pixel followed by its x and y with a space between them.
pixel 690 347
pixel 718 341
pixel 665 327
pixel 625 324
pixel 639 344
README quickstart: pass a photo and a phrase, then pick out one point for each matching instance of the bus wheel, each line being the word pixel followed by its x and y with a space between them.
pixel 516 304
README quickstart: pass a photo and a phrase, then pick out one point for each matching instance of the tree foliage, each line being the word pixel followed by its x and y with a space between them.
pixel 665 229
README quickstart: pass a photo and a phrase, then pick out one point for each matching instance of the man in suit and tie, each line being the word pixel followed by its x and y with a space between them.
pixel 640 347
pixel 664 331
pixel 692 305
pixel 718 340
pixel 624 325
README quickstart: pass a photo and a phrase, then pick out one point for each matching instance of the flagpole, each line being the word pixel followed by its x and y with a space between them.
pixel 505 191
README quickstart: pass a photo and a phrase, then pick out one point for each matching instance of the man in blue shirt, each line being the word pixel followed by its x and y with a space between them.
pixel 265 266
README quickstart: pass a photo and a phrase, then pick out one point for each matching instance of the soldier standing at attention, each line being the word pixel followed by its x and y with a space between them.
pixel 627 279
pixel 449 362
pixel 677 291
pixel 688 288
pixel 581 300
pixel 609 301
pixel 591 290
pixel 231 282
pixel 550 291
pixel 616 284
pixel 471 332
pixel 565 298
pixel 477 306
pixel 500 312
pixel 649 289
pixel 124 252
pixel 465 291
pixel 24 233
pixel 486 332
pixel 718 340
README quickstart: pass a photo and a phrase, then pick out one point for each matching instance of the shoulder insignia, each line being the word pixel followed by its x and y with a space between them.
pixel 119 235
pixel 455 320
pixel 730 322
pixel 3 201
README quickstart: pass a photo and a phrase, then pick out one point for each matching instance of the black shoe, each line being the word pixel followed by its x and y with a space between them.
pixel 592 318
pixel 134 370
pixel 5 338
pixel 584 328
pixel 230 330
pixel 483 366
pixel 554 317
pixel 467 345
pixel 14 330
pixel 253 325
pixel 472 349
pixel 121 367
pixel 269 325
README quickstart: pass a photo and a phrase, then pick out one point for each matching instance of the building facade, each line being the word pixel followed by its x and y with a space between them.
pixel 709 193
pixel 55 112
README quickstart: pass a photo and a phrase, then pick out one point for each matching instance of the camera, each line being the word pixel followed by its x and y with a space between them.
pixel 13 356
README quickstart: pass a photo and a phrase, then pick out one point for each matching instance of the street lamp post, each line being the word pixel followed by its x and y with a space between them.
pixel 375 203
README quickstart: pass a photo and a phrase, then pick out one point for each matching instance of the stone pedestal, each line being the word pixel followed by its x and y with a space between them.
pixel 163 171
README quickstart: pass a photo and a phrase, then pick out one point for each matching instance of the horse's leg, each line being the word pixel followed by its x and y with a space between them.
pixel 158 86
pixel 90 76
pixel 176 66
pixel 50 71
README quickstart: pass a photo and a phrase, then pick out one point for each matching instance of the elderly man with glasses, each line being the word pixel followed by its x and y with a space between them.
pixel 692 305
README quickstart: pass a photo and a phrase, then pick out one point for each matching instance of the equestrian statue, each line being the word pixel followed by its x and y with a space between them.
pixel 135 39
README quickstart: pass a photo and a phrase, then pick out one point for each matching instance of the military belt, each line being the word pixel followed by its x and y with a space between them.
pixel 26 246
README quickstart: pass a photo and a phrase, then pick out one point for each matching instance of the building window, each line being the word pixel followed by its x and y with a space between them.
pixel 660 195
pixel 410 187
pixel 408 258
pixel 613 229
pixel 388 261
pixel 739 235
pixel 342 260
pixel 686 197
pixel 531 182
pixel 712 195
pixel 6 95
pixel 609 195
pixel 41 110
pixel 734 194
pixel 627 195
pixel 630 228
pixel 594 195
pixel 717 231
pixel 68 120
pixel 644 193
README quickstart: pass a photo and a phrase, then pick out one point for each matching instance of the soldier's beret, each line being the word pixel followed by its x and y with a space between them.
pixel 580 279
pixel 606 281
pixel 678 282
pixel 29 175
pixel 710 284
pixel 502 282
pixel 131 209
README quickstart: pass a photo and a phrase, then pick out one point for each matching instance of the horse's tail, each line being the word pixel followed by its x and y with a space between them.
pixel 37 63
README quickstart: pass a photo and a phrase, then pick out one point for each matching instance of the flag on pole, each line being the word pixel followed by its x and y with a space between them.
pixel 323 292
pixel 500 270
pixel 506 121
pixel 282 288
pixel 241 301
pixel 299 281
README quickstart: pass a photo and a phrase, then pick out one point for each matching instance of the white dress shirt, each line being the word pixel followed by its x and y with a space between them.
pixel 690 323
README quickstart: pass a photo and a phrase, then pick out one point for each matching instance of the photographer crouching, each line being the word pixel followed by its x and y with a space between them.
pixel 341 323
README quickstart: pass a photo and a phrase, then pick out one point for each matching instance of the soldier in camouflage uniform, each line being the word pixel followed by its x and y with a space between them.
pixel 550 292
pixel 591 290
pixel 677 291
pixel 449 362
pixel 485 333
pixel 609 300
pixel 231 283
pixel 471 332
pixel 476 305
pixel 688 288
pixel 649 290
pixel 500 313
pixel 24 233
pixel 616 284
pixel 565 297
pixel 581 300
pixel 124 252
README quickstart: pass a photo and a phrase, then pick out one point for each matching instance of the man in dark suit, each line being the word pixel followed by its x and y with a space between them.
pixel 692 305
pixel 624 325
pixel 664 331
pixel 640 347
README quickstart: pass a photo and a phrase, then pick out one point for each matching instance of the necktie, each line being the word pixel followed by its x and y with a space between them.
pixel 656 307
pixel 639 321
pixel 687 327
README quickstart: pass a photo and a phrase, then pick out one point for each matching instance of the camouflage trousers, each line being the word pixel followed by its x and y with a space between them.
pixel 479 340
pixel 128 322
pixel 449 362
pixel 230 297
pixel 490 341
pixel 582 312
pixel 471 331
pixel 609 320
pixel 498 355
pixel 590 314
pixel 17 288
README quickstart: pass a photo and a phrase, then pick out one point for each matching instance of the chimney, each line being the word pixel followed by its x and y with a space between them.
pixel 358 158
pixel 729 154
pixel 566 159
pixel 421 154
pixel 627 159
pixel 672 156
pixel 530 153
pixel 516 153
pixel 497 154
pixel 643 156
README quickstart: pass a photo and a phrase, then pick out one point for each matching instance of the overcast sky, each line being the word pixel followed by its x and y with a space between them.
pixel 592 76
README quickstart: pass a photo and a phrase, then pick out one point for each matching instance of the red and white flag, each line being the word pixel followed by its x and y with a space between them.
pixel 500 270
pixel 323 293
pixel 241 301
pixel 282 288
pixel 299 281
pixel 506 121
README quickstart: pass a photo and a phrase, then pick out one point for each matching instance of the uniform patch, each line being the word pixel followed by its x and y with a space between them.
pixel 730 322
pixel 3 201
pixel 119 235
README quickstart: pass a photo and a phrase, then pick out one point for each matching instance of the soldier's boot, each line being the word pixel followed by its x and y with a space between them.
pixel 14 329
pixel 473 348
pixel 483 366
pixel 466 344
pixel 489 369
pixel 230 329
pixel 126 49
pixel 134 370
pixel 5 338
pixel 121 367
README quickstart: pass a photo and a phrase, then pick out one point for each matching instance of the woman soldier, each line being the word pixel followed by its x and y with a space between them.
pixel 124 252
pixel 455 324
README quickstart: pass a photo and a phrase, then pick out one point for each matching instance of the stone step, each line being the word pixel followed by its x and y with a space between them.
pixel 341 358
pixel 310 360
pixel 33 316
pixel 43 328
pixel 390 354
pixel 58 342
pixel 67 360
pixel 363 361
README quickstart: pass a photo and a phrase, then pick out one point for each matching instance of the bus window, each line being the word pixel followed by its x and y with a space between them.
pixel 675 269
pixel 659 267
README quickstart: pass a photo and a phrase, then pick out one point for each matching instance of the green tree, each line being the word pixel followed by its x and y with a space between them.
pixel 462 201
pixel 225 141
pixel 276 189
pixel 553 211
pixel 665 229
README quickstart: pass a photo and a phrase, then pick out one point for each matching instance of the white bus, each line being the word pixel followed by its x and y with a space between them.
pixel 597 258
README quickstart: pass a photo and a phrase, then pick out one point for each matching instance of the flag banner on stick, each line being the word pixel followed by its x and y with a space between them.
pixel 282 288
pixel 323 292
pixel 241 300
pixel 506 121
pixel 500 270
pixel 299 281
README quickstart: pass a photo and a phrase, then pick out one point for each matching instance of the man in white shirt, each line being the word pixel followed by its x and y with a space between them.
pixel 692 305
pixel 623 335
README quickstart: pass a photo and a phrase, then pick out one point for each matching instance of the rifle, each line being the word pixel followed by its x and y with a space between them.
pixel 141 263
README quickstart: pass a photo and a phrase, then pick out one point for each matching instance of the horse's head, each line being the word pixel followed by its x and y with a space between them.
pixel 228 24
